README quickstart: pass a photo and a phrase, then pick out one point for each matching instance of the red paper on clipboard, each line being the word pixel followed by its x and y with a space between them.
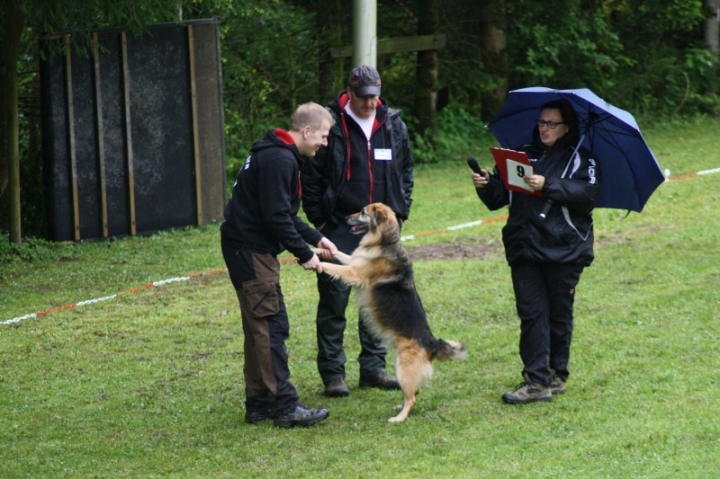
pixel 513 165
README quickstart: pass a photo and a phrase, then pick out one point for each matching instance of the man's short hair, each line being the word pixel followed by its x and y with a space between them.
pixel 365 81
pixel 310 114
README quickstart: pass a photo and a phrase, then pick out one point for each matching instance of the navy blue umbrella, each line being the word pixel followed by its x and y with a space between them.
pixel 630 171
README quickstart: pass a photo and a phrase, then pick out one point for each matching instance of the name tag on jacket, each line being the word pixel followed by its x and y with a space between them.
pixel 383 154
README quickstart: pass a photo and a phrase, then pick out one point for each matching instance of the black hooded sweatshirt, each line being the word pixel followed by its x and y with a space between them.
pixel 262 212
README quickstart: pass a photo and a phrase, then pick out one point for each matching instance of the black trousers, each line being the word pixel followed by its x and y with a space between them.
pixel 544 297
pixel 256 278
pixel 331 320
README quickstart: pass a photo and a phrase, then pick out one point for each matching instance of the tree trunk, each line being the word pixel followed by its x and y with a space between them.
pixel 11 26
pixel 426 73
pixel 494 55
pixel 712 23
pixel 330 75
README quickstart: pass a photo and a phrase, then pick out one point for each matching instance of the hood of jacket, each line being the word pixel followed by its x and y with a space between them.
pixel 339 106
pixel 277 138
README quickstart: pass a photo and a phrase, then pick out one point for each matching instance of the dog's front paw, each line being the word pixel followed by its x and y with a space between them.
pixel 325 254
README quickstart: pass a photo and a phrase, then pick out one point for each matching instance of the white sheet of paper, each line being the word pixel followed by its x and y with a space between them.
pixel 516 171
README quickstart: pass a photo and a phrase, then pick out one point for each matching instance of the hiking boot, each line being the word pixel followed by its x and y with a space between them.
pixel 254 417
pixel 527 392
pixel 557 385
pixel 336 388
pixel 301 416
pixel 381 381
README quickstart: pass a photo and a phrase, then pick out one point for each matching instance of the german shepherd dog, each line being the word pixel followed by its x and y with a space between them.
pixel 381 274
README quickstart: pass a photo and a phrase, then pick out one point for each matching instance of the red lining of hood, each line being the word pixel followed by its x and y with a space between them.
pixel 284 136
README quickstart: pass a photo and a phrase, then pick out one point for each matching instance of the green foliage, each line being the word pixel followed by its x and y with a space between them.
pixel 642 56
pixel 667 70
pixel 32 250
pixel 576 48
pixel 459 134
pixel 269 67
pixel 668 81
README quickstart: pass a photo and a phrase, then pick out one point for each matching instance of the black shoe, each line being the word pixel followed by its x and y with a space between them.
pixel 301 416
pixel 336 388
pixel 254 417
pixel 381 381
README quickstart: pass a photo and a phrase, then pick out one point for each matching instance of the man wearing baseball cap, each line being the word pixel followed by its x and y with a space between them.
pixel 367 160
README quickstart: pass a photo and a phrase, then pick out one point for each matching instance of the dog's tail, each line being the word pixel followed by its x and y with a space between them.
pixel 449 350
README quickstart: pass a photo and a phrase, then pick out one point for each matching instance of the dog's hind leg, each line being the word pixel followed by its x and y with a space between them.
pixel 408 404
pixel 413 369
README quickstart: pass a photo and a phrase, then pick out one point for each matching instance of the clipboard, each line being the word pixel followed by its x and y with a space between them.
pixel 513 165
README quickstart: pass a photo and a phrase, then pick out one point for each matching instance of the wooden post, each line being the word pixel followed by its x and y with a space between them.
pixel 128 134
pixel 101 136
pixel 71 140
pixel 196 138
pixel 399 44
pixel 12 28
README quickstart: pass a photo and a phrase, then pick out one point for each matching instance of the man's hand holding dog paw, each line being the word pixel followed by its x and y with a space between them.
pixel 326 249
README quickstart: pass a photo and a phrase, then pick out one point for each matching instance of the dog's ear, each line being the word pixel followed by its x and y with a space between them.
pixel 379 216
pixel 374 220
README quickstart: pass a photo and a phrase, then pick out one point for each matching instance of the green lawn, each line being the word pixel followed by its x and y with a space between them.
pixel 149 383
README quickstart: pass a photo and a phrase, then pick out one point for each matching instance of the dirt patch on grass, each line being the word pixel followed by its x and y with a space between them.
pixel 456 250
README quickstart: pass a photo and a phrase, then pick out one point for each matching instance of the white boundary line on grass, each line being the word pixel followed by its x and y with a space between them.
pixel 188 278
pixel 107 298
pixel 708 172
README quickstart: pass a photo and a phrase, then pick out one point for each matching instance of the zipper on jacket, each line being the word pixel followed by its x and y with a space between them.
pixel 376 127
pixel 347 146
pixel 370 170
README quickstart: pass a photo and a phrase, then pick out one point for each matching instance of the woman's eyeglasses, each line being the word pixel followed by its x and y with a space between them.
pixel 549 124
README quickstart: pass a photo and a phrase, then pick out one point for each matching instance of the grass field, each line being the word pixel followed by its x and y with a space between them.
pixel 149 382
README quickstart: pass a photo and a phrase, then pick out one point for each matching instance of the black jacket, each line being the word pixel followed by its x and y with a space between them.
pixel 566 235
pixel 262 212
pixel 346 176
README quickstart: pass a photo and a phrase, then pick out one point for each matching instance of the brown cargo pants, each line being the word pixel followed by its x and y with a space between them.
pixel 256 278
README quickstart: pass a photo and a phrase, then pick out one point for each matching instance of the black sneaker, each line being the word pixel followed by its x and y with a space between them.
pixel 336 388
pixel 301 416
pixel 254 417
pixel 381 381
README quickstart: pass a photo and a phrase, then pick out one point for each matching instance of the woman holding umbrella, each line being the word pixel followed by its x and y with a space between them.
pixel 548 242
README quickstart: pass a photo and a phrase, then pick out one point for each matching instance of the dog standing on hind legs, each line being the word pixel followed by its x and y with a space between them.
pixel 381 274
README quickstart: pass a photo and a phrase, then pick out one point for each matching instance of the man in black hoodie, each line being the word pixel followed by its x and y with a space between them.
pixel 261 222
pixel 367 160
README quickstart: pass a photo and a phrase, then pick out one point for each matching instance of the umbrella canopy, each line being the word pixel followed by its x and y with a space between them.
pixel 630 170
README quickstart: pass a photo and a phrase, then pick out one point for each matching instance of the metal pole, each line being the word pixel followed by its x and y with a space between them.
pixel 365 32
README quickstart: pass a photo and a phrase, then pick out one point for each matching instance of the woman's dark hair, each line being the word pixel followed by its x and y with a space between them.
pixel 568 116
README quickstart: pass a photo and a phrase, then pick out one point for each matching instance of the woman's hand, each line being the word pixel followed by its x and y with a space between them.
pixel 536 182
pixel 481 181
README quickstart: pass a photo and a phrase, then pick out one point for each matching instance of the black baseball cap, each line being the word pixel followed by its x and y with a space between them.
pixel 365 81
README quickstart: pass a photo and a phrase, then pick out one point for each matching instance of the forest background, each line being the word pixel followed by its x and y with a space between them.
pixel 655 58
